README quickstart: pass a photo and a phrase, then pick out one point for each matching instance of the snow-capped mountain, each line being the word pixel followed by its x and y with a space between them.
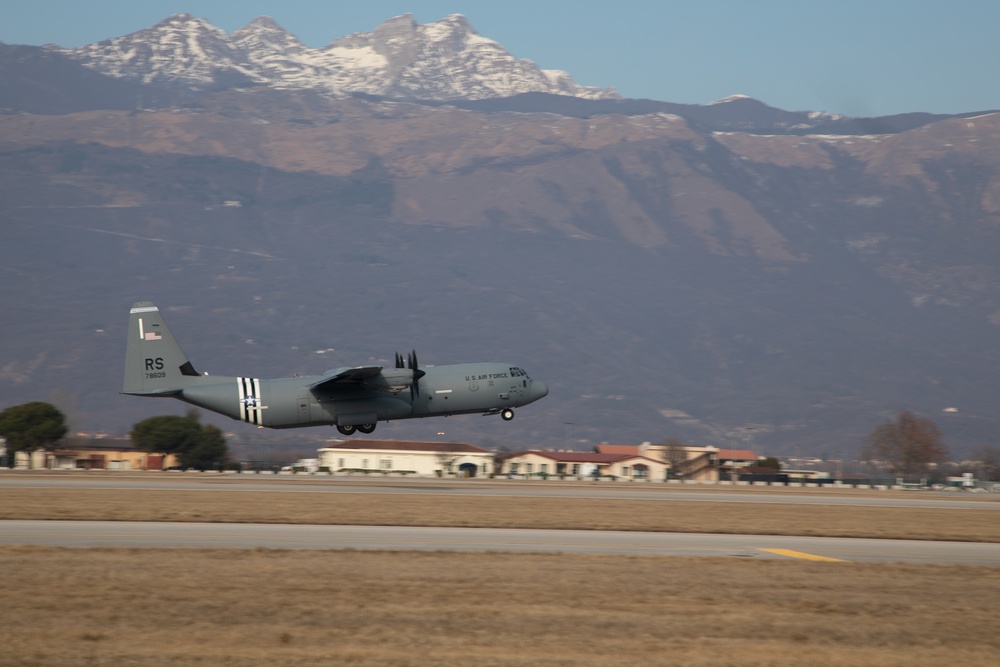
pixel 443 60
pixel 181 49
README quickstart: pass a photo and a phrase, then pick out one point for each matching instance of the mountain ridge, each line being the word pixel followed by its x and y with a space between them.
pixel 400 58
pixel 720 273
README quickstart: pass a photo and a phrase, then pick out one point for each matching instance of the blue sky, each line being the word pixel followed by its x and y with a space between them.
pixel 855 57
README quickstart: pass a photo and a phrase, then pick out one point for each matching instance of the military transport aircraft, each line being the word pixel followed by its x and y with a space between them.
pixel 352 399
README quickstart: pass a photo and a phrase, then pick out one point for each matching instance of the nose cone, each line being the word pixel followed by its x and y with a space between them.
pixel 538 390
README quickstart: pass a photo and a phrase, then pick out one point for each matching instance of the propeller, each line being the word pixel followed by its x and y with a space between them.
pixel 411 363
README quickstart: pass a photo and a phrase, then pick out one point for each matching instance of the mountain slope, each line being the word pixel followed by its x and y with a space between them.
pixel 720 273
pixel 786 293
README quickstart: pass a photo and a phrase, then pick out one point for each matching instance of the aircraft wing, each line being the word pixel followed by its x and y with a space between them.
pixel 346 376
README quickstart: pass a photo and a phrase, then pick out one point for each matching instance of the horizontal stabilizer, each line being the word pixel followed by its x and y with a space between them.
pixel 154 392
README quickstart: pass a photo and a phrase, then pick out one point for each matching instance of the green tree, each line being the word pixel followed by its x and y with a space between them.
pixel 31 426
pixel 770 462
pixel 166 434
pixel 194 445
pixel 209 451
pixel 908 446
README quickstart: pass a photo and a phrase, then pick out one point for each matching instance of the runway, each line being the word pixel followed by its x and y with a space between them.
pixel 95 534
pixel 82 534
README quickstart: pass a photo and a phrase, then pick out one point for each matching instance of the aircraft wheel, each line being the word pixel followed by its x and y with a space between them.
pixel 507 414
pixel 347 430
pixel 366 428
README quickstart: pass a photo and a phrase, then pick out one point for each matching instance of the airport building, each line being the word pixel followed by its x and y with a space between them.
pixel 426 459
pixel 582 465
pixel 77 453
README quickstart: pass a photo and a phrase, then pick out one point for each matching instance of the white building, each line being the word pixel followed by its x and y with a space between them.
pixel 583 465
pixel 399 456
pixel 688 462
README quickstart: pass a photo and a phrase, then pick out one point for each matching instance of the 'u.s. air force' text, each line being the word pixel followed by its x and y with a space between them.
pixel 514 372
pixel 487 376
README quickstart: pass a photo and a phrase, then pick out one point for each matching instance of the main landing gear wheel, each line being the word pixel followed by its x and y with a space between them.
pixel 350 429
pixel 507 414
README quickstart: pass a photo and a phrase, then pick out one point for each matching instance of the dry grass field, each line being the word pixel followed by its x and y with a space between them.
pixel 284 608
pixel 182 607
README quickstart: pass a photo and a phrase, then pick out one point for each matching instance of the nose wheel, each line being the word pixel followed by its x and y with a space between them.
pixel 507 414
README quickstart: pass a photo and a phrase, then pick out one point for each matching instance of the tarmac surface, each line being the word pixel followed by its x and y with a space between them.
pixel 90 534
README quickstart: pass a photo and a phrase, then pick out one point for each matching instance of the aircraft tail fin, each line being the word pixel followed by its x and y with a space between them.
pixel 154 362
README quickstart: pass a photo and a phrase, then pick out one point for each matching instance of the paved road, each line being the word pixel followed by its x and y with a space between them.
pixel 649 492
pixel 280 536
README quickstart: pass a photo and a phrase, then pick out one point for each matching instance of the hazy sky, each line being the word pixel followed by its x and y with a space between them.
pixel 855 57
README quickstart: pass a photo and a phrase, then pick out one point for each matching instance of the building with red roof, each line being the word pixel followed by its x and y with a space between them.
pixel 584 465
pixel 684 461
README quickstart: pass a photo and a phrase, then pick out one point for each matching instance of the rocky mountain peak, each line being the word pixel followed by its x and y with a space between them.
pixel 403 26
pixel 264 34
pixel 263 26
pixel 444 60
pixel 179 18
pixel 177 26
pixel 454 31
pixel 180 50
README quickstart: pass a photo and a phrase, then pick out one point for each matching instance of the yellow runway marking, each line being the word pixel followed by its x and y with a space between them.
pixel 800 554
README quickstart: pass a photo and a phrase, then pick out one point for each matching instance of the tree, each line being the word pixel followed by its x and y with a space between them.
pixel 166 434
pixel 988 463
pixel 446 459
pixel 674 452
pixel 208 452
pixel 909 445
pixel 500 455
pixel 769 462
pixel 194 445
pixel 32 426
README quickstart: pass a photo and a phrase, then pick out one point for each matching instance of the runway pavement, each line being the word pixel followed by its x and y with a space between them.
pixel 76 534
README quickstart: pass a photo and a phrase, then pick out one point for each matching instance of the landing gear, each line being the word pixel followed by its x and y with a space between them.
pixel 349 429
pixel 507 414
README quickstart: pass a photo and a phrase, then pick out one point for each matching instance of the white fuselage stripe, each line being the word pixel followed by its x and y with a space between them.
pixel 258 414
pixel 241 385
pixel 249 398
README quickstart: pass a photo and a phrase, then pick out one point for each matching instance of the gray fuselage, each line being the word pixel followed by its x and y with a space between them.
pixel 296 402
